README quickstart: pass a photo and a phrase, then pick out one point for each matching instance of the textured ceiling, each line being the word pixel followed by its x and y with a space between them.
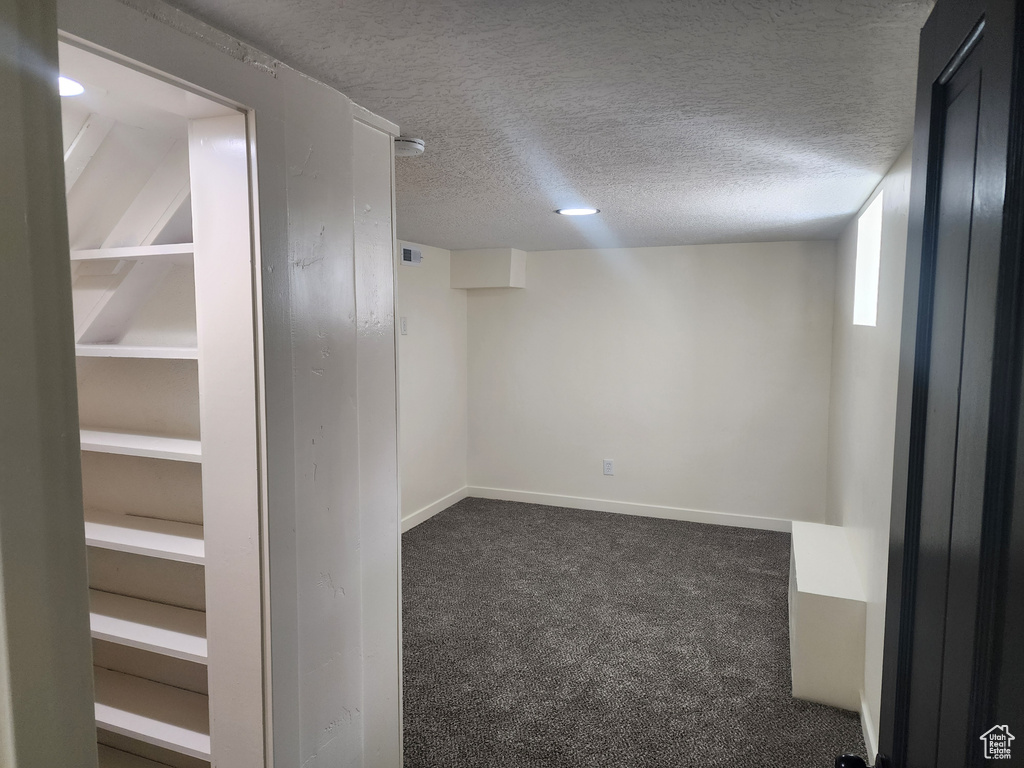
pixel 684 122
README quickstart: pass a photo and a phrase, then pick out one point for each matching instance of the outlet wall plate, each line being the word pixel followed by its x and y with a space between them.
pixel 608 466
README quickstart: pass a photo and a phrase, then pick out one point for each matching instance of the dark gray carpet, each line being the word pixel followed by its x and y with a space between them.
pixel 539 636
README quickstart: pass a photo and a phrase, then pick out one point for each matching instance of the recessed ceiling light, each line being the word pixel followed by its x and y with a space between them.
pixel 69 87
pixel 577 211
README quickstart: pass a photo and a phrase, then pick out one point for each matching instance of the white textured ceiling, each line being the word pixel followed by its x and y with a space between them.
pixel 684 122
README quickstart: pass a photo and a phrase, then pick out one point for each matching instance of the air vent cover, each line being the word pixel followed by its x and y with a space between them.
pixel 411 256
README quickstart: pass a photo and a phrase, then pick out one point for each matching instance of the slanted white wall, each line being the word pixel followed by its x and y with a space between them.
pixel 702 371
pixel 432 386
pixel 863 418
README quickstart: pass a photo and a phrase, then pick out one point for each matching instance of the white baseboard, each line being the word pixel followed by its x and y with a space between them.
pixel 630 508
pixel 422 515
pixel 869 728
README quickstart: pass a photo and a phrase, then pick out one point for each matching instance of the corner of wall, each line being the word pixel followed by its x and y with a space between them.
pixel 862 419
pixel 423 514
pixel 433 377
pixel 833 516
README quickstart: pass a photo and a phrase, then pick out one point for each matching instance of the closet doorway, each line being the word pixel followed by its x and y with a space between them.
pixel 160 194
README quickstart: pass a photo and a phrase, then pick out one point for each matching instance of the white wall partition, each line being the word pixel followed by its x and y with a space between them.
pixel 862 421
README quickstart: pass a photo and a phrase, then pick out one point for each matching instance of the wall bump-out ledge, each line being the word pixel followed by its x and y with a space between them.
pixel 488 268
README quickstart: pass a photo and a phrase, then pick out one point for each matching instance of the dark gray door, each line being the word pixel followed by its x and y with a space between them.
pixel 953 499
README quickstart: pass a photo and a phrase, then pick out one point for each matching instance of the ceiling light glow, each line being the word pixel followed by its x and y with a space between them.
pixel 577 211
pixel 69 87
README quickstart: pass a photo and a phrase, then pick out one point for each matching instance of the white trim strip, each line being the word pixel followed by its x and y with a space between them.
pixel 869 728
pixel 632 508
pixel 422 515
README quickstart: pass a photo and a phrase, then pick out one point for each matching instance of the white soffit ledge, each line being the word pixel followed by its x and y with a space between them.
pixel 488 268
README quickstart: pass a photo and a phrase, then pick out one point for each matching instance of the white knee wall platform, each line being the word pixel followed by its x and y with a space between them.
pixel 826 617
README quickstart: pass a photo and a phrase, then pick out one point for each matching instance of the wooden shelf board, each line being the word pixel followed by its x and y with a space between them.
pixel 125 350
pixel 182 542
pixel 177 253
pixel 153 713
pixel 115 758
pixel 164 629
pixel 149 446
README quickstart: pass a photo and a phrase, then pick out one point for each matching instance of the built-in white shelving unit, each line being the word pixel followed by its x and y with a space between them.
pixel 153 713
pixel 150 711
pixel 125 351
pixel 115 758
pixel 167 539
pixel 165 629
pixel 180 253
pixel 146 446
pixel 160 225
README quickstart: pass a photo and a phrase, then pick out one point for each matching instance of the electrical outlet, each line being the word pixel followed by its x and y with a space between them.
pixel 609 467
pixel 404 326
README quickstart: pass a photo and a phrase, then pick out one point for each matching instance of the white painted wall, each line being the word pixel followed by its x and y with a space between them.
pixel 862 420
pixel 432 386
pixel 702 371
pixel 46 713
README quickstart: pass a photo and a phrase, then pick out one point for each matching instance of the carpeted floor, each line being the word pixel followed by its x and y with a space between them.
pixel 539 636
